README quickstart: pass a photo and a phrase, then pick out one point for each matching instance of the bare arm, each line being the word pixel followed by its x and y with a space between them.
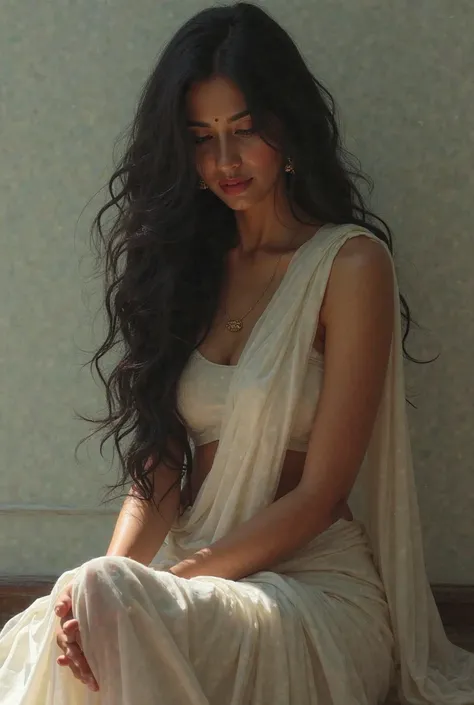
pixel 141 528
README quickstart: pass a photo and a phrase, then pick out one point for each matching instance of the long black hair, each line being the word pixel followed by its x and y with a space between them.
pixel 163 255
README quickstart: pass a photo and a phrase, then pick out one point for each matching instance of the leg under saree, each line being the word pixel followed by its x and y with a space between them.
pixel 313 631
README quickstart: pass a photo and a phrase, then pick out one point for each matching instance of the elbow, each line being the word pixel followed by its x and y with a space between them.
pixel 312 514
pixel 316 509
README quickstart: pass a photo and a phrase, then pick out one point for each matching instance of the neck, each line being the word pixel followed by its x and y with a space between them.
pixel 268 226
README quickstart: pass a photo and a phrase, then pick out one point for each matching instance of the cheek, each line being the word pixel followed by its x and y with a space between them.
pixel 263 159
pixel 202 161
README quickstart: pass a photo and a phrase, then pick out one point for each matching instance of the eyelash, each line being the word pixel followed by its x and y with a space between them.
pixel 243 133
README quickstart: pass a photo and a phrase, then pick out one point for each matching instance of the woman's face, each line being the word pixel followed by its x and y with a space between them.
pixel 232 159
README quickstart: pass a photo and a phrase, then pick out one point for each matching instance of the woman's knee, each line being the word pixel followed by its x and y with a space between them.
pixel 103 568
pixel 115 579
pixel 100 582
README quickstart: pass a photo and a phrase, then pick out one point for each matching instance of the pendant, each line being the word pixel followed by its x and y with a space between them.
pixel 234 325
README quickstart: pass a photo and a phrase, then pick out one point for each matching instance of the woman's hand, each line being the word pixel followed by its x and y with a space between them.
pixel 68 639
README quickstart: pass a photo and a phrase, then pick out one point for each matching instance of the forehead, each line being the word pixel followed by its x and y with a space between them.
pixel 215 98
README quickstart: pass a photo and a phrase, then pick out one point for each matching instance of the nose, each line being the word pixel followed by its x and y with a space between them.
pixel 228 155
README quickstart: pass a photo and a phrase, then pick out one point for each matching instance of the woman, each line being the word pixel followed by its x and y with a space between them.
pixel 259 316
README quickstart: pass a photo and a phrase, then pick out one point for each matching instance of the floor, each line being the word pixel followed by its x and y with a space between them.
pixel 465 638
pixel 462 638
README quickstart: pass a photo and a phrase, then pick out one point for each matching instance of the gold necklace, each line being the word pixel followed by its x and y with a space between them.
pixel 234 325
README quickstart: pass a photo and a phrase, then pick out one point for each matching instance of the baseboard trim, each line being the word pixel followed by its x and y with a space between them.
pixel 455 602
pixel 18 592
pixel 456 605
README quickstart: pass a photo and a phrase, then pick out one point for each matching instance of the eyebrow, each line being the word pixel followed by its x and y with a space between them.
pixel 234 118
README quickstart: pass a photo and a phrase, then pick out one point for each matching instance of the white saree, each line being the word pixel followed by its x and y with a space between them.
pixel 333 625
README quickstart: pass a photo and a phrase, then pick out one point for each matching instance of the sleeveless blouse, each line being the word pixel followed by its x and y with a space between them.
pixel 204 387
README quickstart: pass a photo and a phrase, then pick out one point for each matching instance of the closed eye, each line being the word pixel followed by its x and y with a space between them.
pixel 205 138
pixel 201 140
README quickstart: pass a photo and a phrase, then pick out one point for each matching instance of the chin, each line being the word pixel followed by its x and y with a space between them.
pixel 238 205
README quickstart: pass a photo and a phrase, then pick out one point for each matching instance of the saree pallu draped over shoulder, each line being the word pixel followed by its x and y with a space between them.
pixel 335 624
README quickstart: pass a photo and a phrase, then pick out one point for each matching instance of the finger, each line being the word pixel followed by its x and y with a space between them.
pixel 63 639
pixel 78 672
pixel 66 618
pixel 63 609
pixel 63 605
pixel 79 660
pixel 73 652
pixel 63 660
pixel 75 668
pixel 70 626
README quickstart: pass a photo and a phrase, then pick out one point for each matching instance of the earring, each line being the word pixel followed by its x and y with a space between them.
pixel 289 168
pixel 202 185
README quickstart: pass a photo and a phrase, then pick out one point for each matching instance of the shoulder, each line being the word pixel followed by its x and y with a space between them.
pixel 363 267
pixel 363 251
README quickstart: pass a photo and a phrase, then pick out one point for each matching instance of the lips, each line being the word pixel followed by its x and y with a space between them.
pixel 234 187
pixel 233 182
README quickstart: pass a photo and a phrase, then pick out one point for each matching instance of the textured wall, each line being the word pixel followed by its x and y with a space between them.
pixel 70 75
